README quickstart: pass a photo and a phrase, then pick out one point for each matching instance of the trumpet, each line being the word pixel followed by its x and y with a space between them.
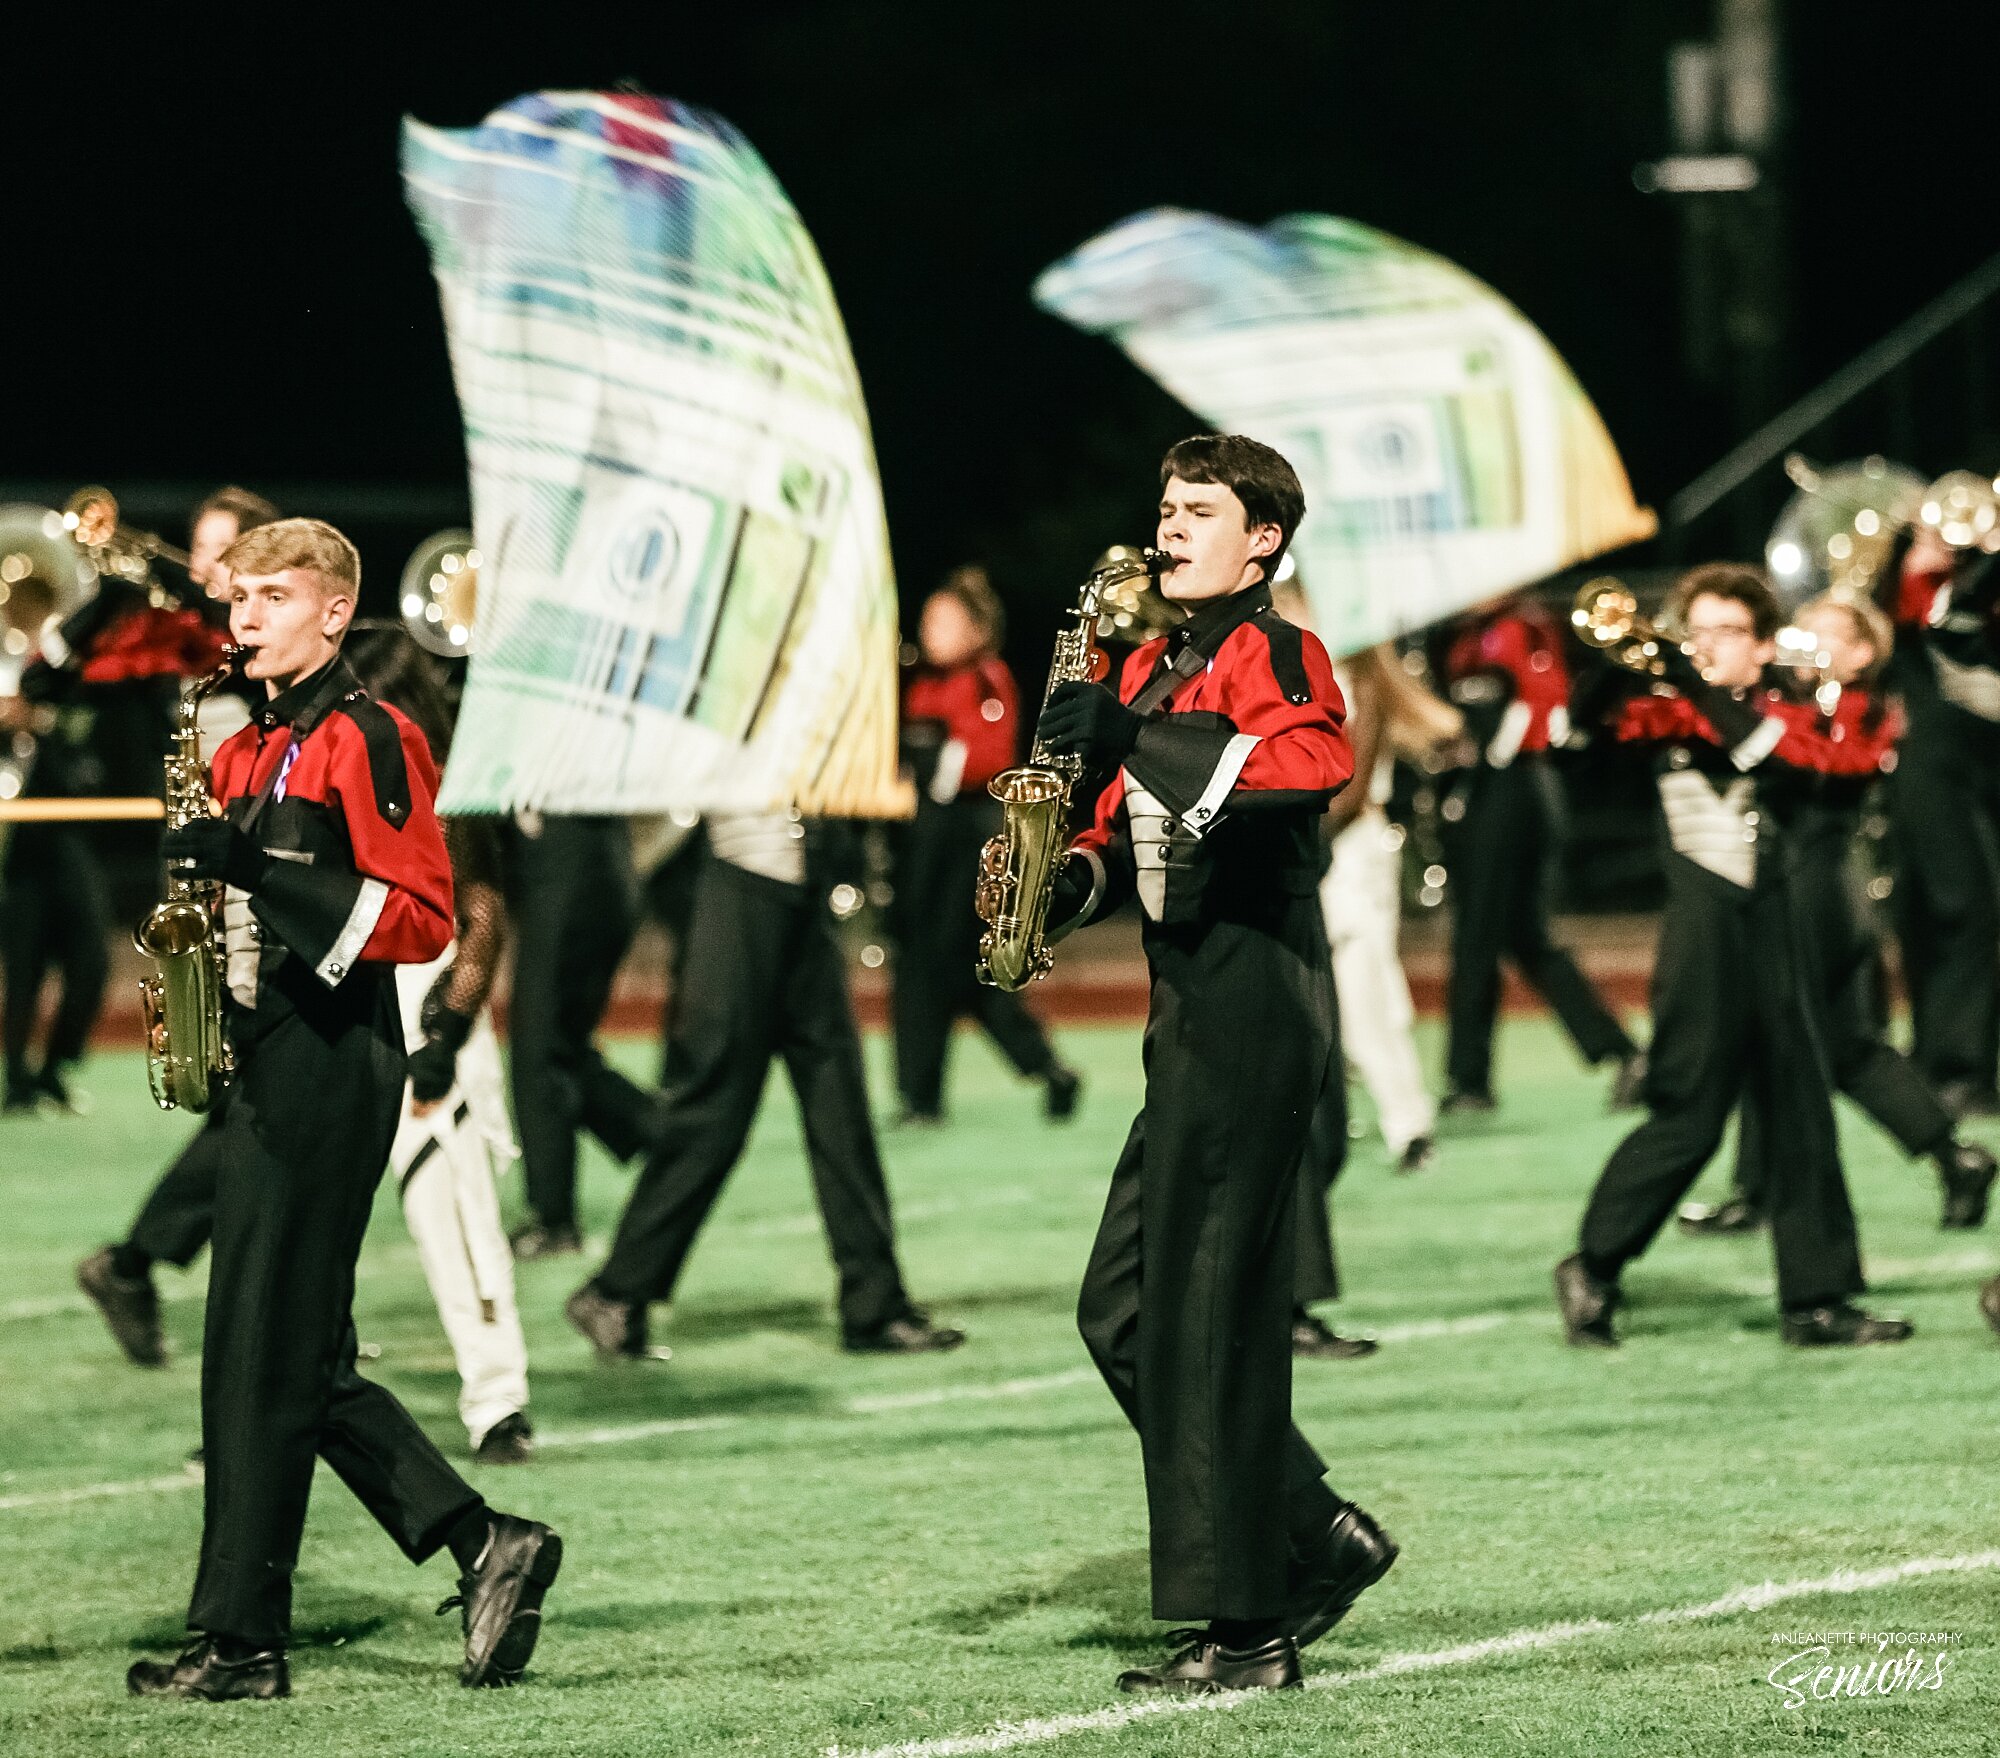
pixel 1606 616
pixel 90 518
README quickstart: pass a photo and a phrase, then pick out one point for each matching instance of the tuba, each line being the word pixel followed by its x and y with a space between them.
pixel 188 1058
pixel 1018 868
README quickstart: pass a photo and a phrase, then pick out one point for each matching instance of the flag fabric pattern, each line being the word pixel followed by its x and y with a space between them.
pixel 1447 453
pixel 685 595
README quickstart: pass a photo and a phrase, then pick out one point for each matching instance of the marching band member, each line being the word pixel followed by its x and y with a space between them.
pixel 574 900
pixel 101 687
pixel 1735 1012
pixel 961 716
pixel 336 873
pixel 1505 673
pixel 1837 927
pixel 453 1138
pixel 1224 744
pixel 759 975
pixel 1944 803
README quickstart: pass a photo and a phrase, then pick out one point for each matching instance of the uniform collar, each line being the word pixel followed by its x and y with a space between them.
pixel 1213 624
pixel 301 706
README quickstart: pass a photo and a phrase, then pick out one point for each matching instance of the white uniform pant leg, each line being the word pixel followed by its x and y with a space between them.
pixel 1363 908
pixel 444 1168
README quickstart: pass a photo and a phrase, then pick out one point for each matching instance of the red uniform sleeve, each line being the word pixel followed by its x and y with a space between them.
pixel 987 721
pixel 409 860
pixel 1793 733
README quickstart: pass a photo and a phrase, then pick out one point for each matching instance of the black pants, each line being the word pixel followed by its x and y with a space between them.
pixel 1944 800
pixel 936 954
pixel 575 911
pixel 54 915
pixel 1837 932
pixel 1732 1018
pixel 304 1142
pixel 1187 1301
pixel 178 1215
pixel 1505 854
pixel 1317 1275
pixel 760 975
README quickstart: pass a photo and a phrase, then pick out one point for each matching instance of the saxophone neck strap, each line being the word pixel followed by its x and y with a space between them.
pixel 1168 677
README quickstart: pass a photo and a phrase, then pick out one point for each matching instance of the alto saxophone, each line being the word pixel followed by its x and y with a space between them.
pixel 188 1058
pixel 1018 868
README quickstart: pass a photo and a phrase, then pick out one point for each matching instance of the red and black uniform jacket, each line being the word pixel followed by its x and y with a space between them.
pixel 1506 673
pixel 1217 807
pixel 1775 765
pixel 337 789
pixel 960 726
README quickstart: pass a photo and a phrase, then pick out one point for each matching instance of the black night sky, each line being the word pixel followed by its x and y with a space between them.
pixel 211 274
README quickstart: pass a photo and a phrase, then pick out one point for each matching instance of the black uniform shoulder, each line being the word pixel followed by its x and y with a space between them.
pixel 388 767
pixel 1286 642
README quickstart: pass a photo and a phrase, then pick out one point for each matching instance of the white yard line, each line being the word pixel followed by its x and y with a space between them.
pixel 91 1492
pixel 1011 1736
pixel 869 1404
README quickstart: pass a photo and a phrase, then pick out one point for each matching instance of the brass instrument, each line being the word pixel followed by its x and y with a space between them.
pixel 1018 868
pixel 1606 616
pixel 440 592
pixel 90 517
pixel 1963 509
pixel 45 574
pixel 188 1057
pixel 1132 607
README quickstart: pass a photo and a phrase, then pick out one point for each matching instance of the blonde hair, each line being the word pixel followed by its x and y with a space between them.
pixel 1865 621
pixel 310 545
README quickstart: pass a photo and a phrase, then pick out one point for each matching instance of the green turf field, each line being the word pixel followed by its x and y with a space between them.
pixel 774 1548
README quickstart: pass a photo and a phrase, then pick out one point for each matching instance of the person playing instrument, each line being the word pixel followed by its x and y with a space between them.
pixel 1223 743
pixel 1837 926
pixel 1735 1010
pixel 1504 835
pixel 960 724
pixel 336 873
pixel 99 693
pixel 450 1141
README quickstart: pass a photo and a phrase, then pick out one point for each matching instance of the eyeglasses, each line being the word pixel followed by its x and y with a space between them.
pixel 1721 632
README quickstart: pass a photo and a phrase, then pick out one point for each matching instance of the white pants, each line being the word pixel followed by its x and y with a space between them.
pixel 1362 902
pixel 445 1165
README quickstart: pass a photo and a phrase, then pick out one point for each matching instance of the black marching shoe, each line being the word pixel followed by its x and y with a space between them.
pixel 1200 1666
pixel 1989 1304
pixel 1842 1325
pixel 510 1441
pixel 1315 1340
pixel 1324 1583
pixel 1467 1104
pixel 1418 1154
pixel 539 1239
pixel 1587 1305
pixel 912 1334
pixel 1062 1088
pixel 615 1328
pixel 1628 1089
pixel 499 1600
pixel 1966 1170
pixel 131 1307
pixel 202 1673
pixel 1736 1214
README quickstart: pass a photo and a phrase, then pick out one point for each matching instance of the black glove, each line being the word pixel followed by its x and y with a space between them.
pixel 213 848
pixel 434 1063
pixel 1069 895
pixel 1733 718
pixel 1087 720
